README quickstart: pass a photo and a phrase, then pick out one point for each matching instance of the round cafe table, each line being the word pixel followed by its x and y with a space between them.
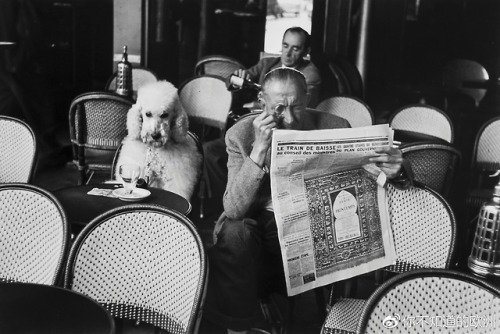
pixel 37 308
pixel 81 207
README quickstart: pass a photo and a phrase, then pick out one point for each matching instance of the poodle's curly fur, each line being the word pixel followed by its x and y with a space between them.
pixel 157 140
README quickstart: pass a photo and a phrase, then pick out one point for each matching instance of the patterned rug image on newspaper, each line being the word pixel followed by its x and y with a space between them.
pixel 345 220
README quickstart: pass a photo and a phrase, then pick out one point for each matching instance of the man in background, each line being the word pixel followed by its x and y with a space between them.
pixel 296 45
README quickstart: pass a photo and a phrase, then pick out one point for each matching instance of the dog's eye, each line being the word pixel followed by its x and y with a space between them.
pixel 148 114
pixel 164 115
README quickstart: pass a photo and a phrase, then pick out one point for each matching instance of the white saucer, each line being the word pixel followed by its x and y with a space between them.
pixel 137 195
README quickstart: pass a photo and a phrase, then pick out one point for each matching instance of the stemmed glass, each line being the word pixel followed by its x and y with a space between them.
pixel 129 173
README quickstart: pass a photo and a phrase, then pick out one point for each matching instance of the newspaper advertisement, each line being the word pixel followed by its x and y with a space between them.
pixel 331 213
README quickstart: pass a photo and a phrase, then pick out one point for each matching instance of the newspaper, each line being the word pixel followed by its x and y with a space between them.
pixel 331 213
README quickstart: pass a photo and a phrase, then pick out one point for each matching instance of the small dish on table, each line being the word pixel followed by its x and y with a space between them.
pixel 137 195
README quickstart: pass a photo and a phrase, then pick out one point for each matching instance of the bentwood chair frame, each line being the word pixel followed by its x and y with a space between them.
pixel 140 77
pixel 18 150
pixel 34 235
pixel 219 65
pixel 441 295
pixel 424 230
pixel 145 263
pixel 433 164
pixel 424 119
pixel 98 124
pixel 351 108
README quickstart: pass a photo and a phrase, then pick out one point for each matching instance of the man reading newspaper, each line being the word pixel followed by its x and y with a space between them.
pixel 246 261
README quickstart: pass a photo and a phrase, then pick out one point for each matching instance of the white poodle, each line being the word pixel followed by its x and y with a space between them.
pixel 157 140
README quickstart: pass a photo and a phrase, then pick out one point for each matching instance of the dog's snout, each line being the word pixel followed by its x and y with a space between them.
pixel 156 136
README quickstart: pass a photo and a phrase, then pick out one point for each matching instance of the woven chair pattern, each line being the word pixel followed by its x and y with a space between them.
pixel 140 77
pixel 421 212
pixel 486 159
pixel 343 318
pixel 443 300
pixel 105 123
pixel 355 111
pixel 221 66
pixel 33 235
pixel 17 150
pixel 424 236
pixel 424 119
pixel 207 99
pixel 142 265
pixel 433 164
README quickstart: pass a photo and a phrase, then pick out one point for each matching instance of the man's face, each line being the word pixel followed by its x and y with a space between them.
pixel 292 49
pixel 286 102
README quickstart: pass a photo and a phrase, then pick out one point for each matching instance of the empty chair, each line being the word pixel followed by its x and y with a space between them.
pixel 432 301
pixel 17 150
pixel 219 65
pixel 206 100
pixel 433 164
pixel 466 77
pixel 351 108
pixel 140 77
pixel 424 230
pixel 34 235
pixel 485 162
pixel 97 123
pixel 424 119
pixel 144 263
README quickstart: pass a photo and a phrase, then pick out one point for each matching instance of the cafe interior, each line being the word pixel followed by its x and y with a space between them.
pixel 81 254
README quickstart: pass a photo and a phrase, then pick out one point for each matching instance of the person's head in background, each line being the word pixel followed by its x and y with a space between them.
pixel 295 46
pixel 284 96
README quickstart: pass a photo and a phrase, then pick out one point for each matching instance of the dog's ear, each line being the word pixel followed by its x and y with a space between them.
pixel 134 121
pixel 180 122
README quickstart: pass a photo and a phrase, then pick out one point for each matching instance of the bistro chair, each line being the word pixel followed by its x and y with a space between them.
pixel 433 164
pixel 485 162
pixel 144 263
pixel 351 108
pixel 140 77
pixel 219 65
pixel 207 103
pixel 432 301
pixel 424 119
pixel 34 235
pixel 424 231
pixel 97 123
pixel 18 150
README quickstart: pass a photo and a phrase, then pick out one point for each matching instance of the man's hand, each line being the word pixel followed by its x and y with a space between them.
pixel 388 160
pixel 242 74
pixel 263 126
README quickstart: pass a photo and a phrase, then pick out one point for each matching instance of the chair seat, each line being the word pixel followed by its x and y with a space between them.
pixel 349 311
pixel 98 159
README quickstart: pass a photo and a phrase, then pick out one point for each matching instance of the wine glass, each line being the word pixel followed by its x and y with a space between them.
pixel 129 173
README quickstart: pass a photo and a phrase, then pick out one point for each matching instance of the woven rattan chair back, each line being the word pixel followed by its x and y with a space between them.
pixel 144 263
pixel 97 123
pixel 352 109
pixel 33 235
pixel 424 228
pixel 140 77
pixel 432 301
pixel 17 150
pixel 221 66
pixel 433 164
pixel 423 119
pixel 206 100
pixel 424 231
